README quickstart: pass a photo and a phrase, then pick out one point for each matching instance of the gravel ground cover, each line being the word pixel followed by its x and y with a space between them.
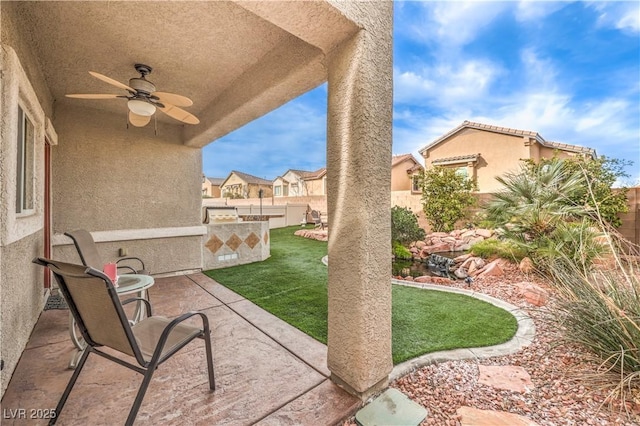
pixel 559 397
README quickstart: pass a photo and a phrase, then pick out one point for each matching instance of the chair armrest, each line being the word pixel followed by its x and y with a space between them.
pixel 167 330
pixel 140 299
pixel 130 258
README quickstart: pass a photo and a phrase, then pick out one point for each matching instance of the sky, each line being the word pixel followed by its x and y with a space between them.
pixel 567 70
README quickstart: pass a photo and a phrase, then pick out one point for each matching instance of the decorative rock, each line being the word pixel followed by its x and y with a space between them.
pixel 408 278
pixel 526 265
pixel 505 377
pixel 420 244
pixel 470 233
pixel 460 273
pixel 439 234
pixel 438 248
pixel 492 270
pixel 422 279
pixel 535 295
pixel 462 258
pixel 473 266
pixel 474 417
pixel 461 246
pixel 475 240
pixel 485 233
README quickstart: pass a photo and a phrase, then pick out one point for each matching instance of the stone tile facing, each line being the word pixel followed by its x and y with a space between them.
pixel 234 242
pixel 266 238
pixel 252 240
pixel 391 408
pixel 214 244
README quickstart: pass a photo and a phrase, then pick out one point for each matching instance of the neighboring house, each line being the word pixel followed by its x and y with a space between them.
pixel 75 163
pixel 244 185
pixel 405 173
pixel 211 187
pixel 483 152
pixel 298 183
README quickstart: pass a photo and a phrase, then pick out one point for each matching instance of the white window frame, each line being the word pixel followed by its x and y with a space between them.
pixel 25 165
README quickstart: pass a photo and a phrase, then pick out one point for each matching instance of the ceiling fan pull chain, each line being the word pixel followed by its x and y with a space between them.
pixel 155 125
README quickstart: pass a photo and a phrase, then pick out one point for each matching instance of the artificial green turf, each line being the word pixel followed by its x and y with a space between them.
pixel 292 285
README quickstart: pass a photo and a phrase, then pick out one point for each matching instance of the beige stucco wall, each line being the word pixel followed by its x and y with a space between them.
pixel 359 143
pixel 400 180
pixel 316 187
pixel 22 298
pixel 106 177
pixel 499 154
pixel 233 179
pixel 21 238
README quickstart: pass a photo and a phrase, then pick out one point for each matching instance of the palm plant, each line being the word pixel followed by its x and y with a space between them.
pixel 536 199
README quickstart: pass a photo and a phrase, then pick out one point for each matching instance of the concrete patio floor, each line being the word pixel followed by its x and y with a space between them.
pixel 267 372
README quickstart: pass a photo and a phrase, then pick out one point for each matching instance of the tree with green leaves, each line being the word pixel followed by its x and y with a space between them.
pixel 404 226
pixel 596 193
pixel 446 197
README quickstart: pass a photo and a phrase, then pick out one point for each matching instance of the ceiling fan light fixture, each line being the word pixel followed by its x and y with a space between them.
pixel 141 107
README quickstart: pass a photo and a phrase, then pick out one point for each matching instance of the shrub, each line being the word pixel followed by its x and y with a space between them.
pixel 446 197
pixel 404 226
pixel 493 247
pixel 401 252
pixel 600 310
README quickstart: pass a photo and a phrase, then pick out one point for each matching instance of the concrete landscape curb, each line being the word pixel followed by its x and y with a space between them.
pixel 523 337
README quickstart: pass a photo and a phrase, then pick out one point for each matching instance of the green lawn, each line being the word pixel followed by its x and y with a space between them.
pixel 292 284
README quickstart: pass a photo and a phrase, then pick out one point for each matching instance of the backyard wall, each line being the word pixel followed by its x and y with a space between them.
pixel 630 228
pixel 231 244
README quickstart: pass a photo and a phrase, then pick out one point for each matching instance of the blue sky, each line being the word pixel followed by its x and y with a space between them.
pixel 567 70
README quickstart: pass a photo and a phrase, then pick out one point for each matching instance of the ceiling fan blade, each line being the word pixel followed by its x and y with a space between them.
pixel 173 99
pixel 92 96
pixel 111 81
pixel 139 120
pixel 179 114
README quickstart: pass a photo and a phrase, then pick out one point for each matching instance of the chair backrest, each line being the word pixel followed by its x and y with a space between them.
pixel 86 248
pixel 315 215
pixel 94 304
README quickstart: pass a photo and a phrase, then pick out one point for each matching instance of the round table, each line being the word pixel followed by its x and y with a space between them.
pixel 127 284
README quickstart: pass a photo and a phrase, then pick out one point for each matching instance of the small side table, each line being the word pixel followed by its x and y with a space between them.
pixel 127 284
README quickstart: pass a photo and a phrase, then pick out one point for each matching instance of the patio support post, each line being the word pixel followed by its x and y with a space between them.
pixel 359 180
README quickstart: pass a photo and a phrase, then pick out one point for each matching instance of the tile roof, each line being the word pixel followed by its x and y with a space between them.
pixel 216 181
pixel 568 147
pixel 509 131
pixel 250 178
pixel 457 159
pixel 314 175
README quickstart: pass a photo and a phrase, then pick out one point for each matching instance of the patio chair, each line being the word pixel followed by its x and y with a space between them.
pixel 317 219
pixel 90 257
pixel 94 303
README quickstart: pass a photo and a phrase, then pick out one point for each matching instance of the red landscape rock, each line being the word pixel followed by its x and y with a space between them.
pixel 493 269
pixel 505 377
pixel 474 417
pixel 526 265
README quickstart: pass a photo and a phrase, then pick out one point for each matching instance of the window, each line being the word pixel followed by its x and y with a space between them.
pixel 25 166
pixel 286 191
pixel 277 191
pixel 463 171
pixel 415 183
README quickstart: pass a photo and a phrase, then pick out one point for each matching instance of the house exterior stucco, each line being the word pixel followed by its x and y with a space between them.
pixel 140 188
pixel 486 151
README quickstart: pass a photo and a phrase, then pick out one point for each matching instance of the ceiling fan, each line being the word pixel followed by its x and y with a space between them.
pixel 143 100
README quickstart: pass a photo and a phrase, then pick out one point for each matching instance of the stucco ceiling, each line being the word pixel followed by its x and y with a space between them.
pixel 235 64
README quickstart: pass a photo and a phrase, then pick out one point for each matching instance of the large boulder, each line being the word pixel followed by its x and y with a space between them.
pixel 485 233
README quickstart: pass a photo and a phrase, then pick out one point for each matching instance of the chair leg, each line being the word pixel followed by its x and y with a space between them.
pixel 72 382
pixel 207 346
pixel 140 396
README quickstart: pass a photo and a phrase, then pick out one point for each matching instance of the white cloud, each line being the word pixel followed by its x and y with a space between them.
pixel 450 83
pixel 532 10
pixel 623 15
pixel 455 23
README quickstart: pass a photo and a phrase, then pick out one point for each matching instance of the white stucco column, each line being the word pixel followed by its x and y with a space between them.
pixel 359 179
